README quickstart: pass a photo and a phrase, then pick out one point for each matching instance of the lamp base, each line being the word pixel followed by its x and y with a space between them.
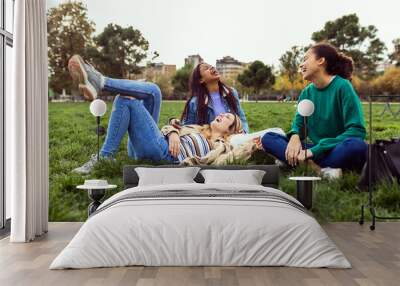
pixel 304 190
pixel 304 193
pixel 95 195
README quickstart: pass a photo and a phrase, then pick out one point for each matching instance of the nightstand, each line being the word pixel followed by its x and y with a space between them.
pixel 96 190
pixel 304 192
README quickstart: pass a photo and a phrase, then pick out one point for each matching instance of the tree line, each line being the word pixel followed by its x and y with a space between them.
pixel 123 51
pixel 116 51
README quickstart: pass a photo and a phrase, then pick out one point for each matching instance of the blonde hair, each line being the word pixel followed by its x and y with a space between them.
pixel 235 128
pixel 237 125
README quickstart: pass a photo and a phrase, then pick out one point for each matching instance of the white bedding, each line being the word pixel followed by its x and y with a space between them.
pixel 183 231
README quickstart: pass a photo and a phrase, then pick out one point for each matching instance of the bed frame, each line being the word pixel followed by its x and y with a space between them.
pixel 270 179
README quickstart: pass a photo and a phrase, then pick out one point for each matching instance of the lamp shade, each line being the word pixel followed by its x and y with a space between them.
pixel 305 107
pixel 98 107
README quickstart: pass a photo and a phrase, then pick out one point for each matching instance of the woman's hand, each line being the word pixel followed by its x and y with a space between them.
pixel 174 144
pixel 293 149
pixel 302 155
pixel 258 142
pixel 174 122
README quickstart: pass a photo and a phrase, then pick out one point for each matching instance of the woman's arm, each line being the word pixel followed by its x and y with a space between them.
pixel 241 114
pixel 294 147
pixel 168 129
pixel 298 122
pixel 174 131
pixel 219 147
pixel 191 114
pixel 173 121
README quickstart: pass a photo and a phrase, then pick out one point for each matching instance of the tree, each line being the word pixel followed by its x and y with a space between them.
pixel 180 80
pixel 164 83
pixel 118 51
pixel 389 82
pixel 290 62
pixel 395 56
pixel 289 67
pixel 257 76
pixel 69 32
pixel 359 42
pixel 363 87
pixel 284 85
pixel 241 89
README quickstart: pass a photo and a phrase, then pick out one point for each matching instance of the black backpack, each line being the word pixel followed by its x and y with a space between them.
pixel 385 163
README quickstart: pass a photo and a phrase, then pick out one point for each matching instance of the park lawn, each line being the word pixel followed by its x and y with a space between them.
pixel 72 140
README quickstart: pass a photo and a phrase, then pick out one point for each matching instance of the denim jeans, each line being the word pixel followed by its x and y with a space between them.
pixel 148 92
pixel 351 154
pixel 146 139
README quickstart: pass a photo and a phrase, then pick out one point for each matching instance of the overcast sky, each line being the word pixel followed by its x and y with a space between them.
pixel 247 30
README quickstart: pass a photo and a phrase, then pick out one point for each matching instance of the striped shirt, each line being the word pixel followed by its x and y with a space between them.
pixel 192 145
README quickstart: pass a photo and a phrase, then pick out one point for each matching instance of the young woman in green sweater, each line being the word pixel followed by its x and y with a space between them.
pixel 336 128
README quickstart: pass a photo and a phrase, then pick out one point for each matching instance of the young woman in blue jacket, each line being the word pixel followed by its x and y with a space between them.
pixel 210 97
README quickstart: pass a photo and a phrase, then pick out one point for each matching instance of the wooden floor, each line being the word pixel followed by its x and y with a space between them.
pixel 375 257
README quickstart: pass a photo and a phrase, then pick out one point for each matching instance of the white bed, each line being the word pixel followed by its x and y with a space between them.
pixel 254 226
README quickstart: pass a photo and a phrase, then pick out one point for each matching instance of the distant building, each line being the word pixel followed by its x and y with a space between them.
pixel 229 67
pixel 159 69
pixel 154 70
pixel 193 60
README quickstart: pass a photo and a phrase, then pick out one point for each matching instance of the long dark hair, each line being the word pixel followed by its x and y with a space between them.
pixel 199 90
pixel 337 63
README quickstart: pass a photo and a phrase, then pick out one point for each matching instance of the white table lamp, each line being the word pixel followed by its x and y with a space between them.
pixel 305 108
pixel 305 184
pixel 98 108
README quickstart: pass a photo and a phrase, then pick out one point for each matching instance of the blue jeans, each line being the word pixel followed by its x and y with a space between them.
pixel 146 139
pixel 148 92
pixel 351 154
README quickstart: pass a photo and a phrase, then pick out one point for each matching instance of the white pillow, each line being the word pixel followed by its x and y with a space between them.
pixel 249 177
pixel 166 176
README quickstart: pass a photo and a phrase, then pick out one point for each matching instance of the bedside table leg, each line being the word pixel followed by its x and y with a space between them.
pixel 304 193
pixel 95 195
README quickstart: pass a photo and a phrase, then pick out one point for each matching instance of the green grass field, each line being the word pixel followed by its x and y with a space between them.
pixel 72 140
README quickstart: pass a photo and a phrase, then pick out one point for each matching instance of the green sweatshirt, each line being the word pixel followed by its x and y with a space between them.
pixel 337 115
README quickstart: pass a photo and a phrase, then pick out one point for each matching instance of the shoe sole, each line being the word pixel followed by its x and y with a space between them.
pixel 78 74
pixel 330 176
pixel 80 172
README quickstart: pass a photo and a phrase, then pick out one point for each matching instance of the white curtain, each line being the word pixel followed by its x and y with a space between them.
pixel 27 124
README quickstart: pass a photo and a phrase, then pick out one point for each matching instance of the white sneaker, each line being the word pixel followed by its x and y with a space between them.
pixel 331 173
pixel 88 166
pixel 90 81
pixel 280 164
